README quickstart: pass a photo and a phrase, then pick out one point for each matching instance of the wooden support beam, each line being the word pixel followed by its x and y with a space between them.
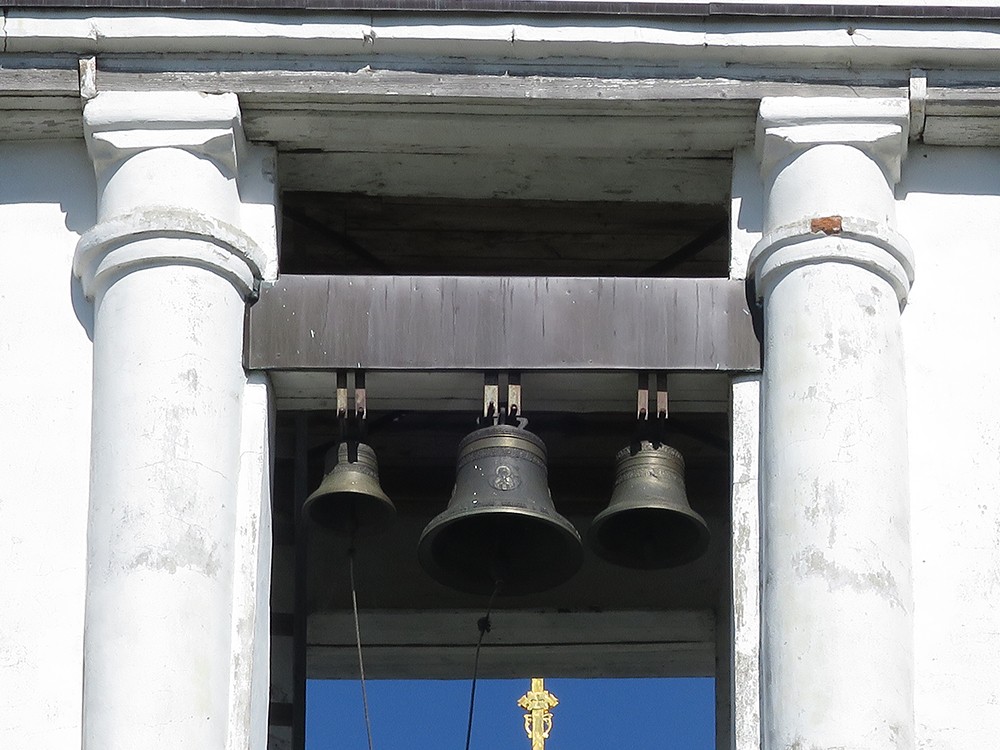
pixel 439 645
pixel 522 323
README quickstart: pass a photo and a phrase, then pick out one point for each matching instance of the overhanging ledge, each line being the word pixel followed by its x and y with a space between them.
pixel 485 323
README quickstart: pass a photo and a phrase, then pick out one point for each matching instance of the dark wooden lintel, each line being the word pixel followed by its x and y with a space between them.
pixel 501 323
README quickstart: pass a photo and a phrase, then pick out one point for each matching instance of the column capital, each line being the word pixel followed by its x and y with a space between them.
pixel 788 125
pixel 829 166
pixel 168 168
pixel 120 124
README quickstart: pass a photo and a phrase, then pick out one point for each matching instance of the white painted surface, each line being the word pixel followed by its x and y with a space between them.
pixel 45 443
pixel 746 211
pixel 176 559
pixel 167 391
pixel 455 37
pixel 836 601
pixel 745 572
pixel 743 672
pixel 950 207
pixel 248 692
pixel 949 201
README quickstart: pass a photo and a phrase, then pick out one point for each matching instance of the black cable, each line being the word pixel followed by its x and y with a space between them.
pixel 484 626
pixel 357 633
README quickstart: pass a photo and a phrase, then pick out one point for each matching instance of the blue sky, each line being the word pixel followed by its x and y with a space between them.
pixel 647 714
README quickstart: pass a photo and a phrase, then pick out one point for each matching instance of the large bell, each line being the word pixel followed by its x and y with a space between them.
pixel 500 530
pixel 649 523
pixel 350 499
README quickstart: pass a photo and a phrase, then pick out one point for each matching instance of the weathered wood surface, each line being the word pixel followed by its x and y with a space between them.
pixel 477 323
pixel 511 662
pixel 510 83
pixel 625 132
pixel 303 102
pixel 643 8
pixel 438 645
pixel 39 98
pixel 515 176
pixel 959 114
pixel 50 77
pixel 962 131
pixel 350 233
pixel 312 390
pixel 17 122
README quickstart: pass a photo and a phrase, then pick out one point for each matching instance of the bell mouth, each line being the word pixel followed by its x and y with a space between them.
pixel 525 551
pixel 350 512
pixel 648 538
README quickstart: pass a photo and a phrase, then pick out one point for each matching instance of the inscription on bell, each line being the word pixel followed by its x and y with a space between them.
pixel 506 478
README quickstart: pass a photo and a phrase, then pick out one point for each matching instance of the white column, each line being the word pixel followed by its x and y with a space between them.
pixel 169 270
pixel 833 275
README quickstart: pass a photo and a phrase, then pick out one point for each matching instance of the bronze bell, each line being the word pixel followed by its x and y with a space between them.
pixel 649 523
pixel 500 530
pixel 350 499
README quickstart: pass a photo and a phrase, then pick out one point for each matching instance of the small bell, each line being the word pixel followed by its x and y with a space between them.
pixel 648 523
pixel 350 499
pixel 500 530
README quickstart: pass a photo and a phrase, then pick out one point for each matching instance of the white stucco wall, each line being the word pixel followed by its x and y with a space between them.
pixel 47 199
pixel 949 209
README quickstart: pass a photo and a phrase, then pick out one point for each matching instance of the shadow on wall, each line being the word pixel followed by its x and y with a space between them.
pixel 950 171
pixel 53 173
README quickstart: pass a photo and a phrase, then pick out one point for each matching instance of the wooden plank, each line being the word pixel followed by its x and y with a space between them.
pixel 401 252
pixel 962 131
pixel 351 233
pixel 438 645
pixel 513 627
pixel 42 80
pixel 21 123
pixel 512 662
pixel 514 175
pixel 965 101
pixel 351 211
pixel 462 391
pixel 525 323
pixel 300 80
pixel 983 102
pixel 460 133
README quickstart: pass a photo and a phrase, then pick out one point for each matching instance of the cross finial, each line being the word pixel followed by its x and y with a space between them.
pixel 538 702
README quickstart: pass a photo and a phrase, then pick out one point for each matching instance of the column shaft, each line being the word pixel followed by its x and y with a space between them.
pixel 167 390
pixel 836 598
pixel 836 609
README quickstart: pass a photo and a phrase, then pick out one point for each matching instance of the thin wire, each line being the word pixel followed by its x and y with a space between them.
pixel 361 661
pixel 484 628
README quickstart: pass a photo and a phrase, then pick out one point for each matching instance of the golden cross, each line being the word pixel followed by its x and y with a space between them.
pixel 538 721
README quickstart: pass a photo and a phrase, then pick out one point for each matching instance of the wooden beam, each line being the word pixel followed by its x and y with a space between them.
pixel 483 323
pixel 439 645
pixel 462 391
pixel 513 175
